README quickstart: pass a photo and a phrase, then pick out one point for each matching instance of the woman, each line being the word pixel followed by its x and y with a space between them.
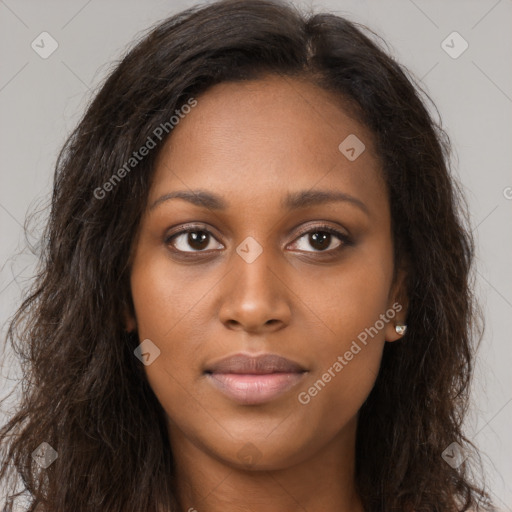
pixel 254 293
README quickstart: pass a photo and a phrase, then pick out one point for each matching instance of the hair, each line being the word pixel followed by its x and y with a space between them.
pixel 86 394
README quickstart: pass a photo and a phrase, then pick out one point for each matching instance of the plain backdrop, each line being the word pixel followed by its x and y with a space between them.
pixel 41 100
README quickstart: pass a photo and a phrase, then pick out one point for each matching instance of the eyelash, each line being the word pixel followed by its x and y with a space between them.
pixel 343 238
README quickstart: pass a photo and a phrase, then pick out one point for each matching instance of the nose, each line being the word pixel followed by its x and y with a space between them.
pixel 255 296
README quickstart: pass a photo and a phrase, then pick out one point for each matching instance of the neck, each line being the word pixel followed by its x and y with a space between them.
pixel 322 482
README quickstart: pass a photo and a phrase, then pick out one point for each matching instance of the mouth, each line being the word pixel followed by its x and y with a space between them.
pixel 252 380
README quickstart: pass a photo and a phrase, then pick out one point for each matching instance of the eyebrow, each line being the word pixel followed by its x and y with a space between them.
pixel 293 201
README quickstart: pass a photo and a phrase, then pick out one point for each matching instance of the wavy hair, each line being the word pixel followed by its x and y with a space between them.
pixel 84 392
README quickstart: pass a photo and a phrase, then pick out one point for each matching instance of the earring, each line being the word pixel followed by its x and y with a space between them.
pixel 400 329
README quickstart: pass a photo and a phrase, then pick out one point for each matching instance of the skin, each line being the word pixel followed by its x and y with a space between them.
pixel 252 143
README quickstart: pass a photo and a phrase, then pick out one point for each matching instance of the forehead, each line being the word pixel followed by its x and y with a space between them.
pixel 256 140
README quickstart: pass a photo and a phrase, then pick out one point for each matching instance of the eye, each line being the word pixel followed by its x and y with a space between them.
pixel 193 239
pixel 322 239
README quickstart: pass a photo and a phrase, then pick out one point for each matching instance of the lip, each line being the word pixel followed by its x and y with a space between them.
pixel 261 364
pixel 254 380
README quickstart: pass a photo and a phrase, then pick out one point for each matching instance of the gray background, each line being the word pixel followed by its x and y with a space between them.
pixel 42 99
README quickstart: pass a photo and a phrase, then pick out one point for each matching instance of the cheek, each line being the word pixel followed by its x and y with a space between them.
pixel 169 307
pixel 167 296
pixel 351 299
pixel 353 305
pixel 348 357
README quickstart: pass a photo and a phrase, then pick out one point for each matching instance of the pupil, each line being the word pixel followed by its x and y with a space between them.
pixel 320 240
pixel 196 239
pixel 199 240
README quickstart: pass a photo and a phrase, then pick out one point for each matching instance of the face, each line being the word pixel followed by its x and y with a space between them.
pixel 279 242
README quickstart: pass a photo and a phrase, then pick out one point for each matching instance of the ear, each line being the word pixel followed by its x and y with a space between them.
pixel 130 322
pixel 397 307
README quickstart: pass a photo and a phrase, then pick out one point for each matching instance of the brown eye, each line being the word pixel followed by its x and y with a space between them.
pixel 321 239
pixel 193 240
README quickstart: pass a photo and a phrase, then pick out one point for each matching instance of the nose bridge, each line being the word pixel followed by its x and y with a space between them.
pixel 254 264
pixel 255 295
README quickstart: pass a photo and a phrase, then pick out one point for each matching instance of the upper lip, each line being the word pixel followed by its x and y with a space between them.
pixel 261 364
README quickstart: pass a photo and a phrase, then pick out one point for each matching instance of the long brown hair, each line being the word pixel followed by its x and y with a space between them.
pixel 85 394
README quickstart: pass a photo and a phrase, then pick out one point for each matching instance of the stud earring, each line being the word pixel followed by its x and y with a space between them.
pixel 400 329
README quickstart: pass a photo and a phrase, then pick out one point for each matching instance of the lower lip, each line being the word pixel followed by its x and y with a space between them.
pixel 254 389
